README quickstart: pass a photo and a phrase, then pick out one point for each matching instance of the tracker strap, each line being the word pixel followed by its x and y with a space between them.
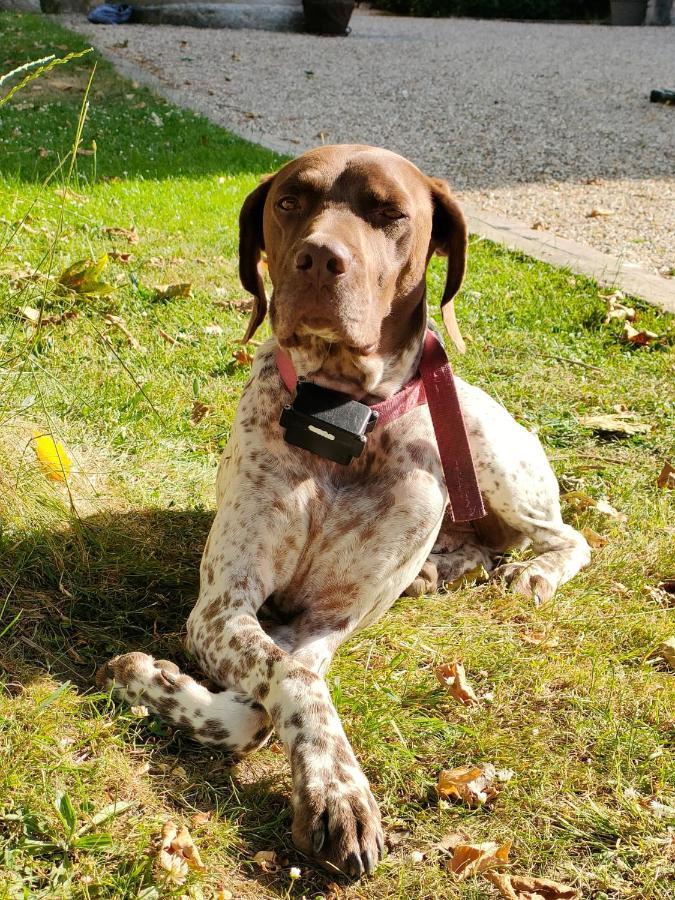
pixel 465 502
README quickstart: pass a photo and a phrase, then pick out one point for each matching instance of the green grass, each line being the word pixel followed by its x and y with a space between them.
pixel 587 725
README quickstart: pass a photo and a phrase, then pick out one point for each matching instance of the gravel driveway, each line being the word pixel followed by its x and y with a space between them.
pixel 541 123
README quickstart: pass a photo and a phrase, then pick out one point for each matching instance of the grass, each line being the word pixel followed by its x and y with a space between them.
pixel 585 719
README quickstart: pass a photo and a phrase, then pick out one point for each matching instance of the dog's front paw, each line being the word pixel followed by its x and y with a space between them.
pixel 529 579
pixel 337 822
pixel 133 676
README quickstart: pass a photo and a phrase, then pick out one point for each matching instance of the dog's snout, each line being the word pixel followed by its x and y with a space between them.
pixel 325 259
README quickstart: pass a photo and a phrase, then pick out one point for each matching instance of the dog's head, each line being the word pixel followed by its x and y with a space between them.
pixel 348 232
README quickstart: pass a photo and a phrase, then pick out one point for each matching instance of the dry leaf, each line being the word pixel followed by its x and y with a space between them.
pixel 123 258
pixel 470 859
pixel 241 303
pixel 580 500
pixel 666 477
pixel 667 652
pixel 517 887
pixel 539 639
pixel 594 539
pixel 199 411
pixel 141 712
pixel 129 233
pixel 615 425
pixel 212 330
pixel 52 456
pixel 618 310
pixel 453 677
pixel 30 314
pixel 121 325
pixel 243 357
pixel 472 785
pixel 178 853
pixel 599 212
pixel 170 291
pixel 222 893
pixel 200 818
pixel 641 338
pixel 67 194
pixel 451 841
pixel 267 860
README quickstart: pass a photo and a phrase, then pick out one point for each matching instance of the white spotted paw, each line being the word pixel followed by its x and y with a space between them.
pixel 528 579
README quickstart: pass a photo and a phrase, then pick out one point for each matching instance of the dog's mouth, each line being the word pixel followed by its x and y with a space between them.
pixel 323 356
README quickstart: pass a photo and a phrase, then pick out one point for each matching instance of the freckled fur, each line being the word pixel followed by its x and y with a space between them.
pixel 303 552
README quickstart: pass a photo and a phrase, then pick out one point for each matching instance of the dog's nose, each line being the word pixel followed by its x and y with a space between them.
pixel 325 259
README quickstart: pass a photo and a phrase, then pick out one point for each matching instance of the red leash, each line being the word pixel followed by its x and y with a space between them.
pixel 435 385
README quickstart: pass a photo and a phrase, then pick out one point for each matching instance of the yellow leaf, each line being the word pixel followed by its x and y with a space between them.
pixel 594 539
pixel 52 456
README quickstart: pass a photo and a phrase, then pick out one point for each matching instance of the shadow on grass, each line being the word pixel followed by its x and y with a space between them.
pixel 110 583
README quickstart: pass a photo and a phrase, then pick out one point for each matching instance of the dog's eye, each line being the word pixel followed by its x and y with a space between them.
pixel 392 213
pixel 288 203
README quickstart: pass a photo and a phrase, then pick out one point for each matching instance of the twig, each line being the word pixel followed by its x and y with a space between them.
pixel 575 362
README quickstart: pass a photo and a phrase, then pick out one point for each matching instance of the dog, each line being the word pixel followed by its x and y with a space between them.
pixel 303 551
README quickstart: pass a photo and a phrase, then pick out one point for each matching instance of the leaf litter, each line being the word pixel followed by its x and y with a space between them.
pixel 84 277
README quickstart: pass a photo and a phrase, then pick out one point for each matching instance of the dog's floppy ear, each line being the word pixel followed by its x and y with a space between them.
pixel 251 246
pixel 449 238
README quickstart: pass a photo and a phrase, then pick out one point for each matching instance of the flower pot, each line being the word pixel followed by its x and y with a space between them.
pixel 628 12
pixel 328 16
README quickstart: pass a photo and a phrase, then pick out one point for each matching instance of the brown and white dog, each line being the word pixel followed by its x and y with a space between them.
pixel 304 552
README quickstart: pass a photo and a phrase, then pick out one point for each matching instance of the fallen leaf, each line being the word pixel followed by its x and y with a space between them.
pixel 67 194
pixel 667 652
pixel 267 860
pixel 222 893
pixel 42 152
pixel 632 336
pixel 30 314
pixel 616 425
pixel 200 818
pixel 243 357
pixel 416 856
pixel 453 677
pixel 594 539
pixel 178 853
pixel 580 500
pixel 84 277
pixel 213 330
pixel 470 859
pixel 450 841
pixel 84 151
pixel 129 233
pixel 599 212
pixel 123 258
pixel 239 303
pixel 539 639
pixel 169 291
pixel 156 120
pixel 199 411
pixel 141 712
pixel 472 785
pixel 121 325
pixel 52 456
pixel 517 887
pixel 666 477
pixel 617 310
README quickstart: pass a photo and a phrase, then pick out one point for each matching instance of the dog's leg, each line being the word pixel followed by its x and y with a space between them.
pixel 521 490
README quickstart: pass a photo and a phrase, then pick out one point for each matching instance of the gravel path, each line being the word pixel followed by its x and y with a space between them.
pixel 540 123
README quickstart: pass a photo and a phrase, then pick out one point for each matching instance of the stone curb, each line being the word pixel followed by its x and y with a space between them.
pixel 607 270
